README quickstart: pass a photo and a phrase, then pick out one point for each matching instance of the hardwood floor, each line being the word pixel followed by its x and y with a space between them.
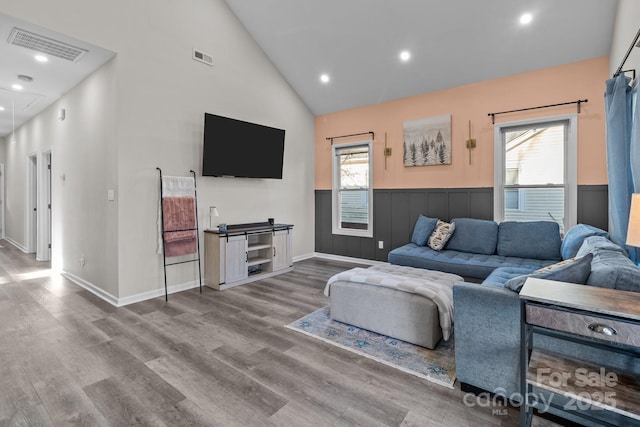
pixel 219 359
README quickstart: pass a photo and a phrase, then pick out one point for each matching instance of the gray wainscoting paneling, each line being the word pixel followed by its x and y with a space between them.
pixel 393 224
pixel 395 212
pixel 593 205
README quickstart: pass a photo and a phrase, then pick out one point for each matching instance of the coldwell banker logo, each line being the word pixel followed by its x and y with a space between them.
pixel 595 391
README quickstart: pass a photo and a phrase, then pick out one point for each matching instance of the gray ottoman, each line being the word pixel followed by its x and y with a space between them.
pixel 408 317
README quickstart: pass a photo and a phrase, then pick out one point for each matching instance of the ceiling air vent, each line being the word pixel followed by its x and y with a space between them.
pixel 46 45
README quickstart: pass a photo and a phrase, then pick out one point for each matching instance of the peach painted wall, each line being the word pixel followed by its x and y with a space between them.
pixel 581 80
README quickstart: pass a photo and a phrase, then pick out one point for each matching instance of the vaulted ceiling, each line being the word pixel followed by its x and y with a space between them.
pixel 357 43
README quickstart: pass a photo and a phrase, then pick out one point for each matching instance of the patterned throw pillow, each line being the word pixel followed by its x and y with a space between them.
pixel 441 235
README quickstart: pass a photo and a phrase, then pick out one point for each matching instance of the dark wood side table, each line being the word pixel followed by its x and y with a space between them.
pixel 589 315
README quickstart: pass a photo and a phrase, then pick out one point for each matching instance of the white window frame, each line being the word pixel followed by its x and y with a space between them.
pixel 335 193
pixel 570 166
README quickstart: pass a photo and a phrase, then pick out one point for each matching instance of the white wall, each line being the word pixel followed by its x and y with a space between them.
pixel 157 95
pixel 3 142
pixel 242 84
pixel 83 166
pixel 626 27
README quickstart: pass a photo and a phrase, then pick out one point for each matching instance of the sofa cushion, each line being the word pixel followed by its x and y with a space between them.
pixel 440 235
pixel 611 269
pixel 592 243
pixel 466 264
pixel 501 275
pixel 573 270
pixel 477 236
pixel 423 229
pixel 532 239
pixel 575 237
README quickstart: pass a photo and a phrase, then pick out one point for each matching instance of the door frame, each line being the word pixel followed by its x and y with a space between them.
pixel 44 231
pixel 2 201
pixel 31 220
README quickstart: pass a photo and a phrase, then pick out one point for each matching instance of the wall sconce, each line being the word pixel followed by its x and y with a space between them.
pixel 62 113
pixel 471 143
pixel 387 151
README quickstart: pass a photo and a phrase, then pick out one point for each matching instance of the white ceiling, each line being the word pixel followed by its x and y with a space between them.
pixel 452 42
pixel 51 80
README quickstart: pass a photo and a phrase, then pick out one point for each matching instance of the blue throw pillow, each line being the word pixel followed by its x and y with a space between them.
pixel 530 239
pixel 575 237
pixel 574 270
pixel 476 236
pixel 423 229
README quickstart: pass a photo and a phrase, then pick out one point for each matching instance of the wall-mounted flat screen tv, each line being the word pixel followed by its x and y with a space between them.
pixel 241 149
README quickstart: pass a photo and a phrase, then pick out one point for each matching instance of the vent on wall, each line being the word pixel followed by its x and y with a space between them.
pixel 46 45
pixel 198 55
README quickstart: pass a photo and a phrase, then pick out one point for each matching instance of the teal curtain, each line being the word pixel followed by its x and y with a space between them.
pixel 623 165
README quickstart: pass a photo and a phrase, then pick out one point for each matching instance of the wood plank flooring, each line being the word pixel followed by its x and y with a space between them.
pixel 216 359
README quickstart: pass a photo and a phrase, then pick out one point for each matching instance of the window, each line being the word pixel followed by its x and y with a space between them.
pixel 535 171
pixel 512 199
pixel 513 196
pixel 353 189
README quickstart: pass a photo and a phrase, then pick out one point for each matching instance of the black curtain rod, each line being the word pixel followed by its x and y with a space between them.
pixel 331 138
pixel 579 101
pixel 626 56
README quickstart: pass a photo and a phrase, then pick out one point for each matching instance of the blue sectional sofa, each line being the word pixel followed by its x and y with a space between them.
pixel 478 247
pixel 487 315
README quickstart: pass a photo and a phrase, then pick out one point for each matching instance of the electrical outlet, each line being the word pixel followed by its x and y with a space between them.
pixel 380 244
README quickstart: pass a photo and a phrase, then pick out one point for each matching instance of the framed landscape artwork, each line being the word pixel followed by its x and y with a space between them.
pixel 427 142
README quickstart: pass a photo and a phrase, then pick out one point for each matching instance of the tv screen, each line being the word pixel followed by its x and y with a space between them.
pixel 242 149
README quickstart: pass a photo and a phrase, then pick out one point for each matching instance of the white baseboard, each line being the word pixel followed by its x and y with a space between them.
pixel 91 288
pixel 157 293
pixel 347 259
pixel 16 244
pixel 303 257
pixel 121 302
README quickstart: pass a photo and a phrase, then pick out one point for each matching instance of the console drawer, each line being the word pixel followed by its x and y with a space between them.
pixel 584 325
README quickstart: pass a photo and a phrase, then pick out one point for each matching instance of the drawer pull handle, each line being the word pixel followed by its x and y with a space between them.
pixel 602 329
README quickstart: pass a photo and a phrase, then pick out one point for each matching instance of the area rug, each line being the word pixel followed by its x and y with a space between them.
pixel 437 365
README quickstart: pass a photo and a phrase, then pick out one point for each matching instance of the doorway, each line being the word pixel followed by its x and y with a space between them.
pixel 1 201
pixel 32 203
pixel 44 231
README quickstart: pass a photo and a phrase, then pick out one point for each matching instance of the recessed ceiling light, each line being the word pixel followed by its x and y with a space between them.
pixel 324 78
pixel 525 18
pixel 41 58
pixel 16 87
pixel 1 108
pixel 405 55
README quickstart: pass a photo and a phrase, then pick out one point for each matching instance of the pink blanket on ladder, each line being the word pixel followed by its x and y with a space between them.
pixel 179 215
